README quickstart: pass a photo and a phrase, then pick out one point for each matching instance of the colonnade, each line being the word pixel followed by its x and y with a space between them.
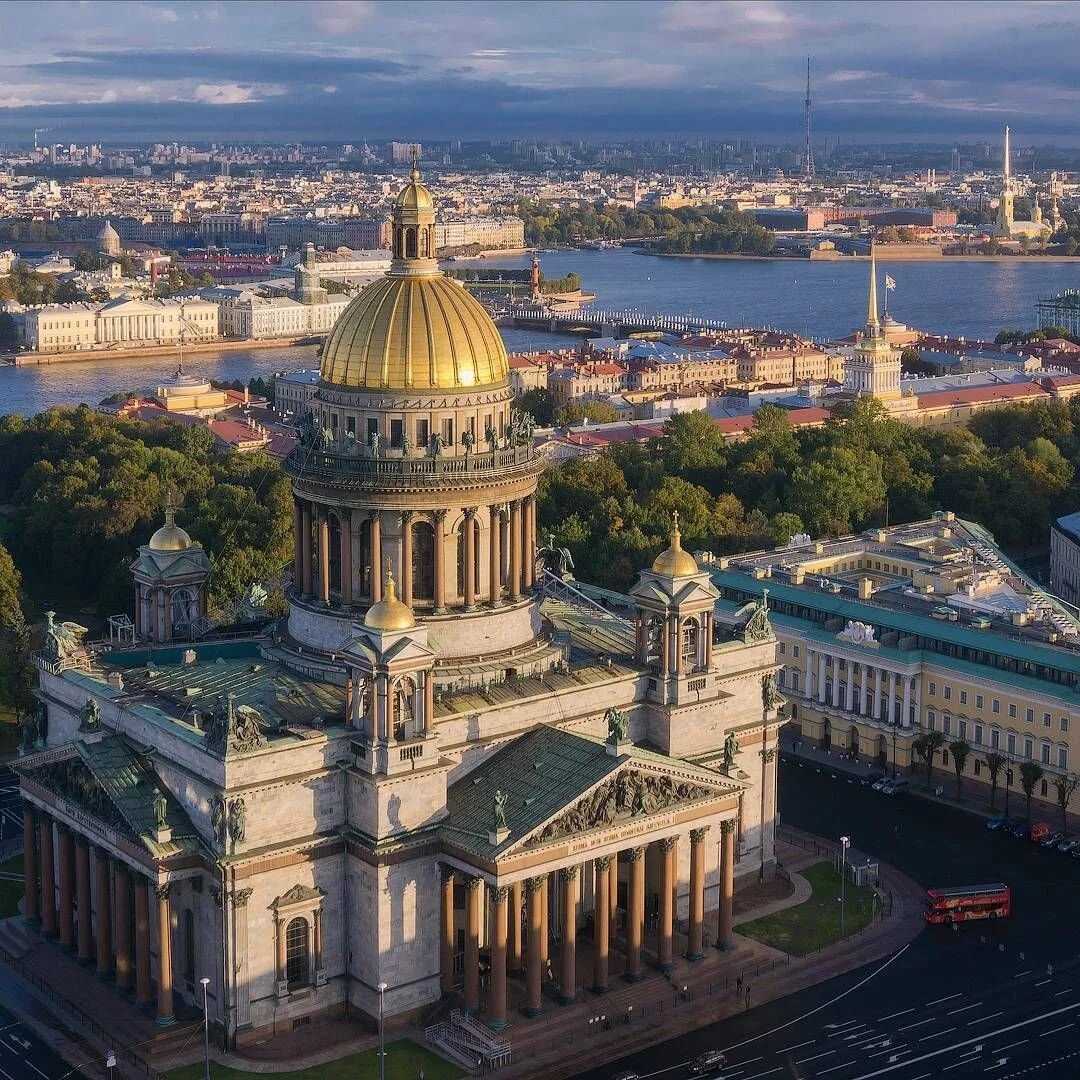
pixel 519 927
pixel 339 552
pixel 103 917
pixel 877 684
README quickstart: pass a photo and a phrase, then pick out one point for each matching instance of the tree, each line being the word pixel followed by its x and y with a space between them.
pixel 16 668
pixel 1065 785
pixel 1030 774
pixel 539 404
pixel 596 412
pixel 960 749
pixel 926 746
pixel 995 762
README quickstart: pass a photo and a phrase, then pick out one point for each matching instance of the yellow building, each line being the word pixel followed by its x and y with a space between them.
pixel 922 627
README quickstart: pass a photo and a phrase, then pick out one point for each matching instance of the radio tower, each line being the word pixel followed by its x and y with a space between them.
pixel 808 170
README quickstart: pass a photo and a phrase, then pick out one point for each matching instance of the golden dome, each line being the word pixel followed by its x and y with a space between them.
pixel 673 561
pixel 389 613
pixel 170 537
pixel 415 194
pixel 414 332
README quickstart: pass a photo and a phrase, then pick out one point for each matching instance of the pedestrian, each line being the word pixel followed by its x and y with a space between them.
pixel 738 985
pixel 748 995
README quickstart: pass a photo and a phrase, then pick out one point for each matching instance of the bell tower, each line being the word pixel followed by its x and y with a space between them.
pixel 413 228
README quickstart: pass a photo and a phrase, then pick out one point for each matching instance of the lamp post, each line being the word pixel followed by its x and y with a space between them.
pixel 382 1045
pixel 206 1030
pixel 845 842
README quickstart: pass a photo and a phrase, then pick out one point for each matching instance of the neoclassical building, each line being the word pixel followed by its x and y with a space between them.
pixel 429 768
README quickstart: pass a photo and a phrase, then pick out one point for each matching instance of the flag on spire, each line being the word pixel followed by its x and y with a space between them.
pixel 890 283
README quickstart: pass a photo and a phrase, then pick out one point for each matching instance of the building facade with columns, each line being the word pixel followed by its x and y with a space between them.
pixel 897 632
pixel 427 767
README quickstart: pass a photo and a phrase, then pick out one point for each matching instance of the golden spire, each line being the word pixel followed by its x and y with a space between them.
pixel 674 561
pixel 871 306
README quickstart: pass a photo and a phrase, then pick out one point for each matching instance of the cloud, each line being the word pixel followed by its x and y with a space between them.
pixel 341 16
pixel 233 93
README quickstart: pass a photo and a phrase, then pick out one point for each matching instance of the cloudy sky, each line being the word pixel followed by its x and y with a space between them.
pixel 340 70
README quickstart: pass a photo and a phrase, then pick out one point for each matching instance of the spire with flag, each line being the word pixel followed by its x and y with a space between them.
pixel 871 306
pixel 890 284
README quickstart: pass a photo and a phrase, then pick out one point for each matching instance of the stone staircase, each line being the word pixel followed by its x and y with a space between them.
pixel 469 1042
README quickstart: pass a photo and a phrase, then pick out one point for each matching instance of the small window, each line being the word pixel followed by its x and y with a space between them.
pixel 946 724
pixel 978 734
pixel 783 649
pixel 1029 715
pixel 1045 753
pixel 963 697
pixel 995 739
pixel 947 692
pixel 963 729
pixel 423 433
pixel 296 953
pixel 795 651
pixel 1029 748
pixel 1012 711
pixel 932 689
pixel 397 429
pixel 1063 757
pixel 995 705
pixel 978 701
pixel 1011 743
pixel 1064 723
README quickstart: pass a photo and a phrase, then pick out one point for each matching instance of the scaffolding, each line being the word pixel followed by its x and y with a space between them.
pixel 1062 310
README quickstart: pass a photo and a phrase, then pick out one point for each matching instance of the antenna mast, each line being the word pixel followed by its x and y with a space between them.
pixel 808 169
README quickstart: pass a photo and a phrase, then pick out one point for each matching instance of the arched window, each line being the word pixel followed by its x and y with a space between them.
pixel 826 734
pixel 689 642
pixel 410 243
pixel 853 739
pixel 404 696
pixel 183 609
pixel 423 561
pixel 365 558
pixel 297 954
pixel 461 557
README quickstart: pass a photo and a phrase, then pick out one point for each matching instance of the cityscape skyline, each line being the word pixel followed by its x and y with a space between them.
pixel 351 71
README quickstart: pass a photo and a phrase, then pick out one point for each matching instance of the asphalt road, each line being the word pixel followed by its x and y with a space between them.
pixel 23 1056
pixel 996 999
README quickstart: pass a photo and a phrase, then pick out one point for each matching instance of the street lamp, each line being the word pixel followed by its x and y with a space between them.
pixel 206 1030
pixel 382 1045
pixel 845 843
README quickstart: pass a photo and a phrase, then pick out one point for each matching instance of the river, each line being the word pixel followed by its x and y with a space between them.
pixel 820 299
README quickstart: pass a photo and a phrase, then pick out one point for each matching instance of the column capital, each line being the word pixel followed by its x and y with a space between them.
pixel 446 873
pixel 728 827
pixel 697 836
pixel 603 863
pixel 240 897
pixel 767 754
pixel 500 894
pixel 162 891
pixel 375 516
pixel 438 516
pixel 473 883
pixel 470 512
pixel 669 843
pixel 634 853
pixel 568 873
pixel 535 884
pixel 405 516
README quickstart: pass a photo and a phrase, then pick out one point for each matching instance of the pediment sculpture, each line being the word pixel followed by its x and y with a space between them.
pixel 630 793
pixel 858 633
pixel 234 729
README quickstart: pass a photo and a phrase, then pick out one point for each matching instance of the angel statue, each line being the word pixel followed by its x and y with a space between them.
pixel 556 560
pixel 91 715
pixel 500 811
pixel 161 810
pixel 731 748
pixel 374 439
pixel 64 639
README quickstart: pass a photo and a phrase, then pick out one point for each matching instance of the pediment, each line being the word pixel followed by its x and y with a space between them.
pixel 632 792
pixel 298 894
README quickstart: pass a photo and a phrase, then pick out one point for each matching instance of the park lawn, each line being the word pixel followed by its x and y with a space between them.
pixel 11 891
pixel 404 1060
pixel 816 923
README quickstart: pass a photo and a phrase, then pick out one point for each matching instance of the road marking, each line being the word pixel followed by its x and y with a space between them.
pixel 1010 1046
pixel 1060 992
pixel 953 1012
pixel 890 1050
pixel 967 1060
pixel 1022 974
pixel 37 1070
pixel 919 1023
pixel 809 1042
pixel 828 1053
pixel 938 1001
pixel 936 1034
pixel 779 1068
pixel 976 1038
pixel 8 1075
pixel 983 1019
pixel 838 1027
pixel 891 1015
pixel 1043 1034
pixel 750 1061
pixel 798 1019
pixel 835 1067
pixel 1043 983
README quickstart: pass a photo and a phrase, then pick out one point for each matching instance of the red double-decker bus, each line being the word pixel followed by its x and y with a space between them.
pixel 962 903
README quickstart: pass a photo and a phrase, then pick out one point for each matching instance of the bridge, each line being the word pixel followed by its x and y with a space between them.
pixel 601 323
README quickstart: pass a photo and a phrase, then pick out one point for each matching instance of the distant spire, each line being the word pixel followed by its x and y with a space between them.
pixel 808 159
pixel 871 306
pixel 1008 171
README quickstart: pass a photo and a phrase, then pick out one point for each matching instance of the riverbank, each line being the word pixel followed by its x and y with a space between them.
pixel 138 352
pixel 881 254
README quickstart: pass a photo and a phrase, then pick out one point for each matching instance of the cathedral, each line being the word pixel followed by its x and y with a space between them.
pixel 446 759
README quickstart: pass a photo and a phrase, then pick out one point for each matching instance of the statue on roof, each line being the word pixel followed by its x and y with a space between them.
pixel 499 810
pixel 217 821
pixel 491 438
pixel 63 640
pixel 374 442
pixel 436 444
pixel 758 627
pixel 731 748
pixel 91 715
pixel 770 692
pixel 237 821
pixel 556 560
pixel 618 725
pixel 161 810
pixel 234 729
pixel 468 440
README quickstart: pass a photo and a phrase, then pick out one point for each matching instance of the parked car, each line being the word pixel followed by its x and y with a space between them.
pixel 880 782
pixel 1038 832
pixel 710 1059
pixel 1052 838
pixel 874 780
pixel 997 823
pixel 895 787
pixel 1067 845
pixel 1022 831
pixel 1075 853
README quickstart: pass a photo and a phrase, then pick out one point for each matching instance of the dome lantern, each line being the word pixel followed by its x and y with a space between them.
pixel 389 613
pixel 170 537
pixel 674 561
